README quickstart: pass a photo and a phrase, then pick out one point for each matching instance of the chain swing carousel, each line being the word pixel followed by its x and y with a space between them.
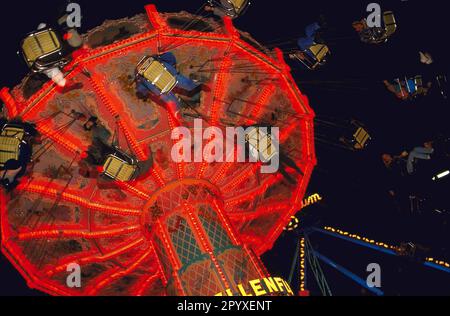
pixel 99 188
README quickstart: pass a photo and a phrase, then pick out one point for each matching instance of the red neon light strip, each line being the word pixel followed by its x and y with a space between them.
pixel 160 267
pixel 169 249
pixel 309 148
pixel 39 99
pixel 35 104
pixel 256 262
pixel 133 190
pixel 301 101
pixel 63 233
pixel 261 103
pixel 99 284
pixel 244 175
pixel 265 210
pixel 142 286
pixel 227 224
pixel 221 86
pixel 176 263
pixel 296 205
pixel 221 173
pixel 65 142
pixel 219 93
pixel 31 275
pixel 55 192
pixel 96 258
pixel 158 177
pixel 251 195
pixel 10 103
pixel 4 231
pixel 153 16
pixel 224 168
pixel 285 133
pixel 180 166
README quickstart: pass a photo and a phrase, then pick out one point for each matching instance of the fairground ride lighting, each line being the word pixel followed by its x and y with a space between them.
pixel 179 228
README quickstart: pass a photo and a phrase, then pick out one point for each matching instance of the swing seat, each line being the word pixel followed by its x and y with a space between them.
pixel 11 137
pixel 418 80
pixel 260 144
pixel 120 167
pixel 155 73
pixel 9 149
pixel 378 35
pixel 320 53
pixel 414 86
pixel 411 85
pixel 361 139
pixel 43 50
pixel 233 8
pixel 403 88
pixel 355 137
pixel 390 23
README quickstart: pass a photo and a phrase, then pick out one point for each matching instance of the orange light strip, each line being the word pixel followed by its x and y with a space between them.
pixel 35 104
pixel 10 103
pixel 286 132
pixel 145 284
pixel 52 191
pixel 357 237
pixel 154 18
pixel 99 284
pixel 299 101
pixel 63 141
pixel 158 177
pixel 295 206
pixel 221 85
pixel 438 262
pixel 95 258
pixel 224 168
pixel 261 102
pixel 30 274
pixel 160 267
pixel 113 108
pixel 38 99
pixel 251 195
pixel 63 233
pixel 222 78
pixel 133 190
pixel 380 244
pixel 302 265
pixel 256 262
pixel 4 231
pixel 172 126
pixel 266 209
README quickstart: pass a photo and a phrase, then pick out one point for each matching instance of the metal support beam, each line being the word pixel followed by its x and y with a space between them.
pixel 316 269
pixel 349 274
pixel 377 248
pixel 355 241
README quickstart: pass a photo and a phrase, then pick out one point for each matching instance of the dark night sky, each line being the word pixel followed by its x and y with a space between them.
pixel 352 183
